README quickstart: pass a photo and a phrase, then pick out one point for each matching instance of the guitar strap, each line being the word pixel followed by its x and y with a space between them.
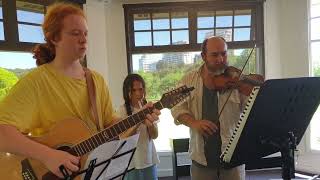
pixel 92 97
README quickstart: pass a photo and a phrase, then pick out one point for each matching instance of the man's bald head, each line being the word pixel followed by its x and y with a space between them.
pixel 213 39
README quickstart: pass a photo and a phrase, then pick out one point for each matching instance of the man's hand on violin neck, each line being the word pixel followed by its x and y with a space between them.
pixel 205 127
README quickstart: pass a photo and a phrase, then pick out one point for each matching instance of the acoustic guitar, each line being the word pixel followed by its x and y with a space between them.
pixel 74 137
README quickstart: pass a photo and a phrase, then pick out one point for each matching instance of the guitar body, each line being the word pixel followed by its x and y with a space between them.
pixel 74 133
pixel 65 134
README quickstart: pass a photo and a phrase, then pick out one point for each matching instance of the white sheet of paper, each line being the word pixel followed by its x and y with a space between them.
pixel 107 151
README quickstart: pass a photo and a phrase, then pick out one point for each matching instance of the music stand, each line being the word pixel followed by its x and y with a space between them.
pixel 114 164
pixel 277 121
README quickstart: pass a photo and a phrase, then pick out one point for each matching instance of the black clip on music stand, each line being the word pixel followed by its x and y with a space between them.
pixel 277 121
pixel 93 164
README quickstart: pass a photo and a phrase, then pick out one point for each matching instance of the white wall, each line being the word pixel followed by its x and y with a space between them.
pixel 286 38
pixel 107 44
pixel 286 45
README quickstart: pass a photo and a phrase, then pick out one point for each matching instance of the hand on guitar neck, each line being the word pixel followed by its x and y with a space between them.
pixel 73 139
pixel 51 158
pixel 150 121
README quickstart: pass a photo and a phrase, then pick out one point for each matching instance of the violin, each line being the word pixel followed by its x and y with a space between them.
pixel 231 78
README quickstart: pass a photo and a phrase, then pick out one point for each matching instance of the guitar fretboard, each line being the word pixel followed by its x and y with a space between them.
pixel 112 132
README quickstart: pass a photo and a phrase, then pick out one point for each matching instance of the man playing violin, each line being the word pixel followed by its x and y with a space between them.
pixel 211 128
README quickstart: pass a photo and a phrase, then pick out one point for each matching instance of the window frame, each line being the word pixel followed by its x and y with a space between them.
pixel 10 24
pixel 310 42
pixel 192 8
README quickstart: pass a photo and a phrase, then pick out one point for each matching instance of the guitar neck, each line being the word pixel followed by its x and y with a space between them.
pixel 112 132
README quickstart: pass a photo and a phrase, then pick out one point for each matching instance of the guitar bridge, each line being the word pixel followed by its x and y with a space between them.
pixel 27 171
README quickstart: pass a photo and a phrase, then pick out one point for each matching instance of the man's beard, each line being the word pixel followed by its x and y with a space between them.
pixel 216 69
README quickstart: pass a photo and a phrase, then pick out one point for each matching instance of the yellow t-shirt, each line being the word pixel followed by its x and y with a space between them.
pixel 44 97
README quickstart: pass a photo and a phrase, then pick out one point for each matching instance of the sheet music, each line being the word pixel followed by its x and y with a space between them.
pixel 107 151
pixel 228 151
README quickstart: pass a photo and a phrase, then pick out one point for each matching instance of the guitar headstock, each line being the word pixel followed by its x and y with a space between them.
pixel 175 96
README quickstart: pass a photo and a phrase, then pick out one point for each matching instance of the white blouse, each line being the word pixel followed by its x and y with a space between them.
pixel 145 154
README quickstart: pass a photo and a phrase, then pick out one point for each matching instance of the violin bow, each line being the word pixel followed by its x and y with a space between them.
pixel 246 62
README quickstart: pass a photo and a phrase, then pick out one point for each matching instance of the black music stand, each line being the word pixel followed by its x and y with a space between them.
pixel 97 170
pixel 277 121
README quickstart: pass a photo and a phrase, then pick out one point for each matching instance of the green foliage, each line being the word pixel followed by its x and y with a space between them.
pixel 7 80
pixel 168 75
pixel 20 72
pixel 316 71
pixel 239 61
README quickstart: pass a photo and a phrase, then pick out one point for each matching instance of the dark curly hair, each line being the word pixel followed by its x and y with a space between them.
pixel 127 88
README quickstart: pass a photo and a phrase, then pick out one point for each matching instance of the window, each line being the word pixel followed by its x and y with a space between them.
pixel 164 42
pixel 30 17
pixel 20 23
pixel 13 66
pixel 20 29
pixel 1 23
pixel 315 63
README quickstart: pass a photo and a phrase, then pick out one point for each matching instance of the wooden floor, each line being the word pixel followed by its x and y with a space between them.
pixel 274 174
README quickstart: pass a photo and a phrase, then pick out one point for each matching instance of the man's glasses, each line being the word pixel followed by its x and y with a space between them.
pixel 216 54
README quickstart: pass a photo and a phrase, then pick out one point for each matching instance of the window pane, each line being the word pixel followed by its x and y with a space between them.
pixel 160 21
pixel 142 38
pixel 1 23
pixel 237 58
pixel 30 12
pixel 161 72
pixel 315 9
pixel 171 131
pixel 1 15
pixel 205 19
pixel 315 58
pixel 161 38
pixel 315 29
pixel 224 18
pixel 31 17
pixel 203 34
pixel 30 33
pixel 315 133
pixel 12 67
pixel 315 2
pixel 242 18
pixel 225 33
pixel 242 34
pixel 1 31
pixel 142 22
pixel 315 122
pixel 179 20
pixel 180 37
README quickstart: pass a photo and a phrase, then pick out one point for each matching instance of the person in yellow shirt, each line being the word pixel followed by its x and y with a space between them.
pixel 54 91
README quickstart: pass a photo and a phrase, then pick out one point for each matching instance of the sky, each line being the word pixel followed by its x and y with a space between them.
pixel 14 60
pixel 27 33
pixel 34 34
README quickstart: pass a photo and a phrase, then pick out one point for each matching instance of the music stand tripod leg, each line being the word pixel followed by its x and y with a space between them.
pixel 287 154
pixel 90 169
